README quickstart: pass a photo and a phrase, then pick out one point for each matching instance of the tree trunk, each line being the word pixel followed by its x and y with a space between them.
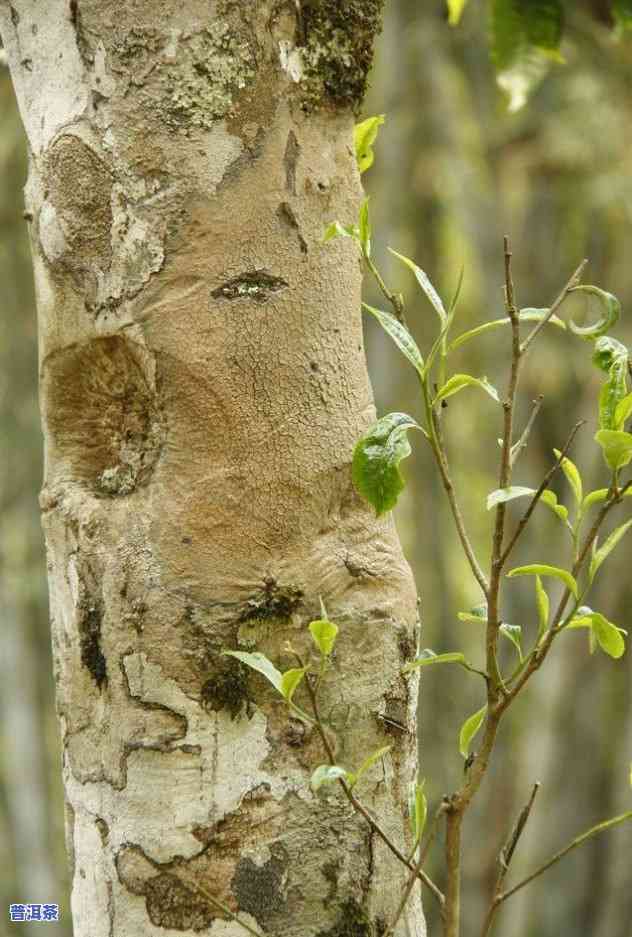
pixel 202 386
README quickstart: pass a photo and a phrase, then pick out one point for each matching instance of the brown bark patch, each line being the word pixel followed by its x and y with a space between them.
pixel 227 689
pixel 259 888
pixel 172 904
pixel 103 414
pixel 274 601
pixel 256 285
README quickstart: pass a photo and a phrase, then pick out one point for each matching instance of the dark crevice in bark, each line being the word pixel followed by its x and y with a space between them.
pixel 256 285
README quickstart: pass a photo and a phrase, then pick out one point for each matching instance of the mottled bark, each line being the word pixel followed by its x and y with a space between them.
pixel 202 384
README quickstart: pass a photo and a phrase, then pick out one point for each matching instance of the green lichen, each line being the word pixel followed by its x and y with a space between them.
pixel 338 50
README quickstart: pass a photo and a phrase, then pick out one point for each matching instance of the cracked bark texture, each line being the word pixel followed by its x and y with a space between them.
pixel 203 383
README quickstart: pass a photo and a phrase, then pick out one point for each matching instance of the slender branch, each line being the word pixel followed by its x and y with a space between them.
pixel 524 520
pixel 573 282
pixel 518 448
pixel 578 841
pixel 218 904
pixel 395 299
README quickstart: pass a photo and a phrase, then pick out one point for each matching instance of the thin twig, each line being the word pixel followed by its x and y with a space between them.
pixel 218 904
pixel 395 299
pixel 538 494
pixel 521 445
pixel 574 280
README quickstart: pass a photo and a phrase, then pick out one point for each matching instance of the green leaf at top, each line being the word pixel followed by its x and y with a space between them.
pixel 458 381
pixel 541 569
pixel 324 633
pixel 572 475
pixel 525 315
pixel 607 351
pixel 327 774
pixel 261 664
pixel 455 9
pixel 610 312
pixel 364 136
pixel 399 334
pixel 501 495
pixel 607 547
pixel 424 281
pixel 427 658
pixel 469 729
pixel 525 36
pixel 616 446
pixel 290 681
pixel 376 459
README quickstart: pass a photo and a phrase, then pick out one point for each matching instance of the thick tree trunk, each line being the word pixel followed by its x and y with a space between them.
pixel 203 384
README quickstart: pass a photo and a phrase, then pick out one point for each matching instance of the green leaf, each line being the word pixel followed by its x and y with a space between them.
pixel 458 381
pixel 424 282
pixel 616 446
pixel 262 665
pixel 455 9
pixel 364 136
pixel 622 412
pixel 376 459
pixel 613 393
pixel 399 334
pixel 525 37
pixel 525 315
pixel 610 308
pixel 600 495
pixel 469 729
pixel 606 549
pixel 324 633
pixel 501 495
pixel 364 228
pixel 609 637
pixel 622 12
pixel 427 658
pixel 369 762
pixel 607 351
pixel 549 498
pixel 572 475
pixel 541 569
pixel 542 602
pixel 513 633
pixel 476 615
pixel 335 229
pixel 290 681
pixel 327 774
pixel 418 810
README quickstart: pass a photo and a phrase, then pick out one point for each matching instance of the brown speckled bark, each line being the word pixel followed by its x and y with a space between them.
pixel 203 384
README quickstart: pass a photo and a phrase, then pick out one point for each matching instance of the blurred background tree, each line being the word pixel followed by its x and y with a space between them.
pixel 454 172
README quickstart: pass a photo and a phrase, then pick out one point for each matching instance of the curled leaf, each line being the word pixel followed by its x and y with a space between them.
pixel 610 312
pixel 607 351
pixel 364 136
pixel 376 459
pixel 324 633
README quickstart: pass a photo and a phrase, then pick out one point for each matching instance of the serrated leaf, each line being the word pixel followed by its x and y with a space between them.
pixel 616 446
pixel 399 334
pixel 542 569
pixel 501 495
pixel 549 498
pixel 572 475
pixel 610 312
pixel 459 381
pixel 606 548
pixel 376 459
pixel 455 10
pixel 525 38
pixel 424 281
pixel 335 229
pixel 327 774
pixel 525 315
pixel 476 615
pixel 261 664
pixel 364 227
pixel 364 136
pixel 370 761
pixel 513 633
pixel 469 729
pixel 290 681
pixel 418 810
pixel 542 602
pixel 427 658
pixel 324 633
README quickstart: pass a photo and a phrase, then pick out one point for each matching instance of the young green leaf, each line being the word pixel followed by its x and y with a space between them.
pixel 600 495
pixel 525 315
pixel 513 633
pixel 290 681
pixel 501 495
pixel 541 569
pixel 622 412
pixel 324 633
pixel 469 729
pixel 606 549
pixel 370 761
pixel 525 40
pixel 418 810
pixel 399 334
pixel 427 658
pixel 476 615
pixel 612 395
pixel 609 637
pixel 607 351
pixel 427 287
pixel 376 459
pixel 610 312
pixel 364 136
pixel 616 446
pixel 262 665
pixel 572 475
pixel 455 9
pixel 327 774
pixel 542 602
pixel 549 498
pixel 335 229
pixel 458 381
pixel 364 228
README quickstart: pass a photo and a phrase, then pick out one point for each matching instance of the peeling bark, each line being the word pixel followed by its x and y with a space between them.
pixel 203 384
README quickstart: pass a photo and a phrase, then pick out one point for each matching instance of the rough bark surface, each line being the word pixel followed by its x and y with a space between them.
pixel 203 384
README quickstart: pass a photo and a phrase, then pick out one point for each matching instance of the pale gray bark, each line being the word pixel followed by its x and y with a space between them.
pixel 203 384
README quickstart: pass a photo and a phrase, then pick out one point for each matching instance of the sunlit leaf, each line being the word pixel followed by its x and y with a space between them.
pixel 607 351
pixel 459 381
pixel 513 633
pixel 290 681
pixel 616 446
pixel 469 729
pixel 399 334
pixel 623 411
pixel 335 229
pixel 418 810
pixel 455 9
pixel 607 547
pixel 599 496
pixel 542 569
pixel 610 312
pixel 572 474
pixel 428 658
pixel 427 287
pixel 542 602
pixel 549 498
pixel 364 136
pixel 327 774
pixel 324 633
pixel 609 637
pixel 525 315
pixel 500 495
pixel 262 665
pixel 613 394
pixel 376 459
pixel 476 615
pixel 364 228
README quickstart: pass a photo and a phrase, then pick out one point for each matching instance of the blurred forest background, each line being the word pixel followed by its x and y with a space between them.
pixel 454 172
